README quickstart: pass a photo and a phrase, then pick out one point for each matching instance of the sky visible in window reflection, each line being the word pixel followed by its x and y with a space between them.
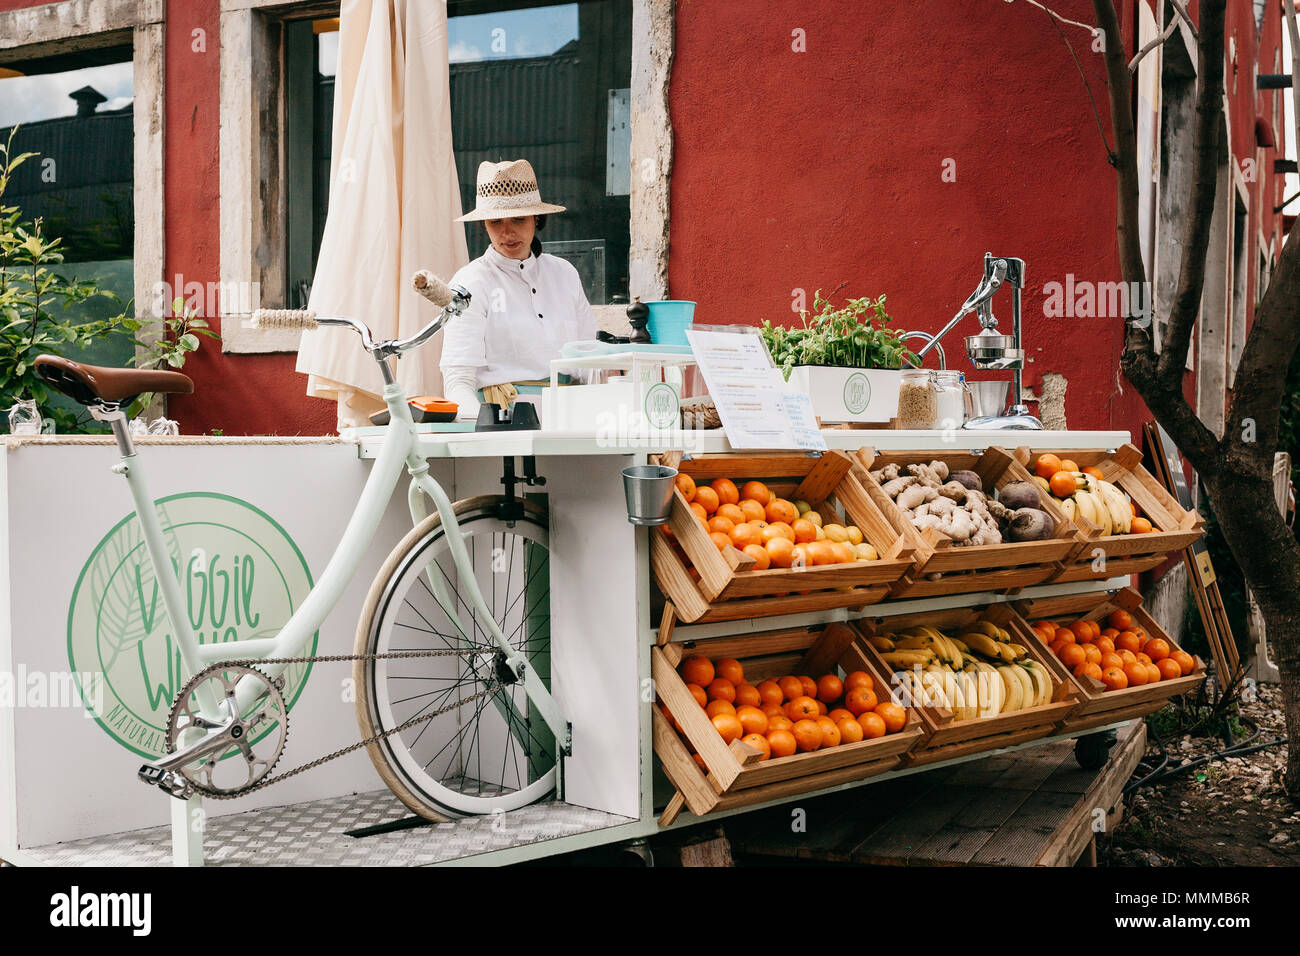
pixel 29 99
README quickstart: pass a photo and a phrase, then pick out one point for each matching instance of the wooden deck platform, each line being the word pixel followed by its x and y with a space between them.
pixel 1035 807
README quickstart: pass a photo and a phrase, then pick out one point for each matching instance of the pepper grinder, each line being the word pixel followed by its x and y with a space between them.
pixel 638 314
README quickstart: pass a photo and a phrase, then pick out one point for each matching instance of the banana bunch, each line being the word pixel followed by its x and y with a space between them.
pixel 1100 502
pixel 981 673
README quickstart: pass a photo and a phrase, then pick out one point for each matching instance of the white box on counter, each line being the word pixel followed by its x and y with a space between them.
pixel 849 394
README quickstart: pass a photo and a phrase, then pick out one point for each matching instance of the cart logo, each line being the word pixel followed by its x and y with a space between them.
pixel 857 393
pixel 661 406
pixel 241 577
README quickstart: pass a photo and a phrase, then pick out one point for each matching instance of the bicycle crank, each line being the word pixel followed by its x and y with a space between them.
pixel 233 755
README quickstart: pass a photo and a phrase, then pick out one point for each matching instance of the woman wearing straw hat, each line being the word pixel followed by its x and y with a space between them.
pixel 525 305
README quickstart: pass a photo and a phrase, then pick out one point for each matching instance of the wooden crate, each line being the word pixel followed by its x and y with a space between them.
pixel 945 737
pixel 938 567
pixel 1098 706
pixel 728 588
pixel 1106 556
pixel 735 776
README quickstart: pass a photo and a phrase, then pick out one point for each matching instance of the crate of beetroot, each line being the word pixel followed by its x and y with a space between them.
pixel 1129 522
pixel 755 535
pixel 1121 661
pixel 749 718
pixel 974 522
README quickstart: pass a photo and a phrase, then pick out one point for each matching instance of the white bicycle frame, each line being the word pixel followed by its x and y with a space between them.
pixel 398 450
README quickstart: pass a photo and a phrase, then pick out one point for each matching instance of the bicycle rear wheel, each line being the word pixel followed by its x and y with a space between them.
pixel 495 753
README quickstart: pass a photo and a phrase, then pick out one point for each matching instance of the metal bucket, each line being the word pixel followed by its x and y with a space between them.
pixel 649 493
pixel 989 398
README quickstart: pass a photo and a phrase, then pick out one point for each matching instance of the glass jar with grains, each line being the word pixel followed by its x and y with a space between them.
pixel 918 400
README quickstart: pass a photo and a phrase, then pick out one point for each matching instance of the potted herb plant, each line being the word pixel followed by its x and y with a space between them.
pixel 848 360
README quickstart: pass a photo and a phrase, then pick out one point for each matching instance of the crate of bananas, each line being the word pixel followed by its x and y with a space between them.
pixel 969 677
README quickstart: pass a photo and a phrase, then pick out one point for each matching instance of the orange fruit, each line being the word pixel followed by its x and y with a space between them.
pixel 721 689
pixel 756 491
pixel 752 719
pixel 1062 484
pixel 802 707
pixel 699 694
pixel 872 724
pixel 830 732
pixel 892 714
pixel 663 709
pixel 1057 646
pixel 1082 632
pixel 762 559
pixel 686 485
pixel 839 713
pixel 802 559
pixel 729 726
pixel 1136 674
pixel 1153 673
pixel 697 509
pixel 1127 656
pixel 759 743
pixel 772 710
pixel 860 700
pixel 1114 678
pixel 777 722
pixel 1140 526
pixel 748 695
pixel 821 552
pixel 1143 658
pixel 822 709
pixel 1111 660
pixel 1110 632
pixel 782 743
pixel 733 512
pixel 697 669
pixel 730 669
pixel 752 510
pixel 1089 668
pixel 723 541
pixel 791 687
pixel 1069 464
pixel 844 553
pixel 707 499
pixel 809 686
pixel 777 529
pixel 1105 645
pixel 1120 620
pixel 745 534
pixel 1169 669
pixel 829 688
pixel 858 679
pixel 1045 625
pixel 1094 471
pixel 778 509
pixel 700 761
pixel 770 692
pixel 1128 641
pixel 1072 655
pixel 719 706
pixel 807 734
pixel 726 491
pixel 1186 663
pixel 1157 649
pixel 722 525
pixel 804 531
pixel 850 730
pixel 1046 466
pixel 1091 651
pixel 1064 634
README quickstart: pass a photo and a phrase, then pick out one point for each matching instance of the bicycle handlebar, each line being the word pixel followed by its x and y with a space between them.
pixel 283 319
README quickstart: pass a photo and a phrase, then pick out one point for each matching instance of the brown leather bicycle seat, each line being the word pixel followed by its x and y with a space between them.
pixel 89 384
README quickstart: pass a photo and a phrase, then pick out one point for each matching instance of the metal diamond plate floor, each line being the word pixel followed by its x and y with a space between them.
pixel 315 834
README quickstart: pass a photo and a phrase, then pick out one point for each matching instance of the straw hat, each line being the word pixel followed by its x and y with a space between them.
pixel 507 189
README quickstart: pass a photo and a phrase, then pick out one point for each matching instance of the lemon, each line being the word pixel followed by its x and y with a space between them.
pixel 866 552
pixel 802 506
pixel 855 535
pixel 813 516
pixel 836 532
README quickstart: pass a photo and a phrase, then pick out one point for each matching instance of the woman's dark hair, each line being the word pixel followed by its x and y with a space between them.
pixel 536 245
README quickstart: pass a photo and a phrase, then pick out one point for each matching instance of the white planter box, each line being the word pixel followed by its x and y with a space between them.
pixel 849 394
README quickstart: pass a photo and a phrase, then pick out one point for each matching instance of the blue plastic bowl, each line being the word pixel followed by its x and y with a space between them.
pixel 669 321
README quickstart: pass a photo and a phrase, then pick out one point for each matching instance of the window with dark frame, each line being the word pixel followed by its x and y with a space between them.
pixel 545 81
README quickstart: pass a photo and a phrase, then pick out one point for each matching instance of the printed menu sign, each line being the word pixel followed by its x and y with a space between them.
pixel 756 409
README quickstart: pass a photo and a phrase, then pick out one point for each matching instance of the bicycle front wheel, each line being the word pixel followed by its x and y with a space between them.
pixel 494 752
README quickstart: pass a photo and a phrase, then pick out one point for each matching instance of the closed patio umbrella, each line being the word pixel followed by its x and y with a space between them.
pixel 393 200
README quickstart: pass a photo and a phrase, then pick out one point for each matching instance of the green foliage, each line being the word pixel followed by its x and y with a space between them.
pixel 180 338
pixel 854 336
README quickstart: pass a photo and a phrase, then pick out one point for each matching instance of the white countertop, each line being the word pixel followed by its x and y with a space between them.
pixel 541 443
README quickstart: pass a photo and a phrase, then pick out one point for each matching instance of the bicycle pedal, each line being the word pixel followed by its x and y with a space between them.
pixel 173 784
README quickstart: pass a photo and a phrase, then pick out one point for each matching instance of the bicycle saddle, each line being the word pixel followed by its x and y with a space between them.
pixel 93 384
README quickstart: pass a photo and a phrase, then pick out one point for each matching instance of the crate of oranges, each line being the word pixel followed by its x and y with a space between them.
pixel 740 720
pixel 975 684
pixel 754 535
pixel 1129 521
pixel 1123 664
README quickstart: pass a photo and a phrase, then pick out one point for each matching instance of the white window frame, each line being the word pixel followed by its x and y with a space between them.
pixel 252 235
pixel 35 32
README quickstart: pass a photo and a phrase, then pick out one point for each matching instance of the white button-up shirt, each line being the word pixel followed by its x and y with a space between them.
pixel 521 313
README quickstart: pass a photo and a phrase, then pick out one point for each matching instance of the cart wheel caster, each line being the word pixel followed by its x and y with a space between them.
pixel 641 850
pixel 1092 751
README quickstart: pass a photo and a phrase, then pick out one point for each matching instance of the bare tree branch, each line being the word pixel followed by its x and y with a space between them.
pixel 1137 58
pixel 1181 7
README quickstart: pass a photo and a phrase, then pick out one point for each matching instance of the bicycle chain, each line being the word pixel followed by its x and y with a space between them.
pixel 253 664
